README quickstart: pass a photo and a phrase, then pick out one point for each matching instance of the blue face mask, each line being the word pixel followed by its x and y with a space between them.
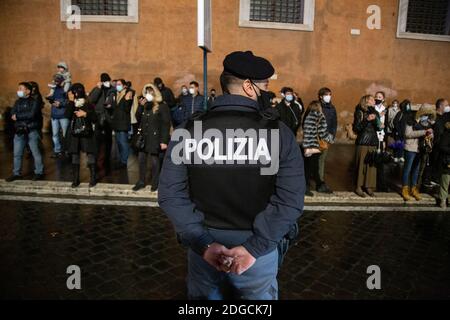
pixel 20 94
pixel 289 97
pixel 119 88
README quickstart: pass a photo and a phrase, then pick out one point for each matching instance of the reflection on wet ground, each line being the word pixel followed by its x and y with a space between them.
pixel 131 253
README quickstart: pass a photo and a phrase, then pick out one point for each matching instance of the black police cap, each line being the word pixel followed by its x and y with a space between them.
pixel 245 65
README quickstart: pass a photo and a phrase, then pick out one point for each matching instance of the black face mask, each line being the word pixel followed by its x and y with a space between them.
pixel 378 101
pixel 263 98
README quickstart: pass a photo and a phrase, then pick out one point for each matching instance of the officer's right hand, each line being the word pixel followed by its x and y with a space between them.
pixel 214 256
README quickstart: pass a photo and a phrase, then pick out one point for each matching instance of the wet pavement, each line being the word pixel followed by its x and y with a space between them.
pixel 131 253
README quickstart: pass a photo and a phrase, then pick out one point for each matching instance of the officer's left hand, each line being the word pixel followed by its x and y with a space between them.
pixel 242 259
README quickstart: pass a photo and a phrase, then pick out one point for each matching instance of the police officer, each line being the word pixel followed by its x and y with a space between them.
pixel 232 214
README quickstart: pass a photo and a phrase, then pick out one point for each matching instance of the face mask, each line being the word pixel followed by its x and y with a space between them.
pixel 378 101
pixel 160 86
pixel 79 102
pixel 327 99
pixel 192 91
pixel 20 94
pixel 395 106
pixel 447 109
pixel 107 84
pixel 213 94
pixel 423 118
pixel 119 88
pixel 149 97
pixel 184 91
pixel 289 97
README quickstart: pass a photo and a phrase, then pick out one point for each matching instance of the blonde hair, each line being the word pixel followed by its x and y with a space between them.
pixel 364 102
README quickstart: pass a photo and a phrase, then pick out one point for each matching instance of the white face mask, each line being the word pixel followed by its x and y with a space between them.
pixel 20 94
pixel 149 97
pixel 192 91
pixel 79 102
pixel 327 99
pixel 107 84
pixel 447 109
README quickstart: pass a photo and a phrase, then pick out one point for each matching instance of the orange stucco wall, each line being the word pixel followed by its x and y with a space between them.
pixel 163 43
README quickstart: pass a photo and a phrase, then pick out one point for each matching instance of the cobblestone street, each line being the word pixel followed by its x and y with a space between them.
pixel 131 253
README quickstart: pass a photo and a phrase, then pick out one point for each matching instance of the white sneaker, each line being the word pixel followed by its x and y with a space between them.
pixel 402 160
pixel 396 160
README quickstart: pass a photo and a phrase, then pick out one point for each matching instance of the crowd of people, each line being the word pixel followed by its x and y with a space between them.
pixel 416 141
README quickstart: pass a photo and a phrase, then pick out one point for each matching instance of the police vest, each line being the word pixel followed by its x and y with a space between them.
pixel 231 194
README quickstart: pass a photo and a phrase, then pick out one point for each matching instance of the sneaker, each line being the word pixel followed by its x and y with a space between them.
pixel 38 177
pixel 360 192
pixel 308 193
pixel 396 160
pixel 370 192
pixel 13 178
pixel 402 160
pixel 323 188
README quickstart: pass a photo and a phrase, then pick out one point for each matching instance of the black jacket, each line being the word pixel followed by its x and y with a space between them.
pixel 76 144
pixel 329 111
pixel 168 96
pixel 444 152
pixel 121 117
pixel 98 97
pixel 366 130
pixel 290 115
pixel 155 126
pixel 28 113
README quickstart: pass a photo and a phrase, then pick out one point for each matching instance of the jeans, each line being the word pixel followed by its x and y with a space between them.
pixel 412 166
pixel 33 142
pixel 57 125
pixel 123 146
pixel 257 283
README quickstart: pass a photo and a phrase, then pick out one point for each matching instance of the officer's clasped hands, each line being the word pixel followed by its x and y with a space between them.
pixel 236 260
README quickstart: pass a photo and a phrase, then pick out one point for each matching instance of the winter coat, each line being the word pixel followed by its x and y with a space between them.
pixel 192 105
pixel 155 125
pixel 315 127
pixel 101 98
pixel 76 144
pixel 27 111
pixel 412 138
pixel 291 115
pixel 59 95
pixel 121 118
pixel 444 148
pixel 365 130
pixel 389 122
pixel 167 96
pixel 329 111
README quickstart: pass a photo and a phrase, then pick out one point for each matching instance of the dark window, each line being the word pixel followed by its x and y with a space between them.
pixel 428 17
pixel 284 11
pixel 102 7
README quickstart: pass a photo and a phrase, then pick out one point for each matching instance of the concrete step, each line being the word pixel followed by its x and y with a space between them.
pixel 123 191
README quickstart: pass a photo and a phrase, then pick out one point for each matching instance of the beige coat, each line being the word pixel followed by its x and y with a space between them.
pixel 412 138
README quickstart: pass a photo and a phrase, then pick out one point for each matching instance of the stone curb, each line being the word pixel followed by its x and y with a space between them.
pixel 123 191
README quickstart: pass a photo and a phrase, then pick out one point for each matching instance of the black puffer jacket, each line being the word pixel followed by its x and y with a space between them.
pixel 366 130
pixel 121 117
pixel 28 113
pixel 155 126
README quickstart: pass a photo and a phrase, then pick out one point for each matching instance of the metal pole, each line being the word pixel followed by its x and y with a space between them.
pixel 205 78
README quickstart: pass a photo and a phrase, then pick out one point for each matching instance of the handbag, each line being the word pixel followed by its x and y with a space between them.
pixel 323 145
pixel 80 128
pixel 139 140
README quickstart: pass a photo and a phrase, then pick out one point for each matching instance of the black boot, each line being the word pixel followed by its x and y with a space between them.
pixel 75 175
pixel 93 180
pixel 139 185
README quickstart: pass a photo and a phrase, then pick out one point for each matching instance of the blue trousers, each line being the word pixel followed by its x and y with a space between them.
pixel 57 125
pixel 411 168
pixel 257 283
pixel 19 144
pixel 123 146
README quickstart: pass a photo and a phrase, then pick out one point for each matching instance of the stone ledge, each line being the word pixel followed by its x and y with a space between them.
pixel 123 191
